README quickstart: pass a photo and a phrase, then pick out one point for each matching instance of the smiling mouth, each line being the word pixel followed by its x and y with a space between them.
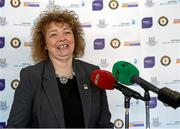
pixel 62 46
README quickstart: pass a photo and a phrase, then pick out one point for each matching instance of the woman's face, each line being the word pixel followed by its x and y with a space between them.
pixel 60 41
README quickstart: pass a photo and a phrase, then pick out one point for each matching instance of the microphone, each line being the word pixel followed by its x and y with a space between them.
pixel 105 80
pixel 128 74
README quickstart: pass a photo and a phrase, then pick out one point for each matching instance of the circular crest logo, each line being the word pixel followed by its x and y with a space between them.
pixel 14 84
pixel 113 4
pixel 15 3
pixel 118 123
pixel 115 43
pixel 165 60
pixel 15 42
pixel 163 21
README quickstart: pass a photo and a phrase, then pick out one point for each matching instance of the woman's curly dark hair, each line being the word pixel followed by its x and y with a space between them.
pixel 55 14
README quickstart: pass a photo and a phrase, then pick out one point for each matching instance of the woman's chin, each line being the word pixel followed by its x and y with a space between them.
pixel 65 56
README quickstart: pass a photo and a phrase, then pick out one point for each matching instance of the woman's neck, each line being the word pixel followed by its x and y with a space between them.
pixel 63 67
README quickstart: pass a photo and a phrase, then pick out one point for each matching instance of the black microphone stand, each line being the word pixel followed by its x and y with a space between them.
pixel 128 93
pixel 147 98
pixel 143 84
pixel 126 106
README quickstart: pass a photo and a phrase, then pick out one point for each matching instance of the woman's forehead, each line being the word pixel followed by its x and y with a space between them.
pixel 53 25
pixel 59 24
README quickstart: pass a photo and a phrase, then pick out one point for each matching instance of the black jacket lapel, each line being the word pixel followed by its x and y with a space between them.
pixel 84 90
pixel 52 91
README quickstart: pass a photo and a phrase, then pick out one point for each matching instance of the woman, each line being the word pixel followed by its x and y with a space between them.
pixel 57 92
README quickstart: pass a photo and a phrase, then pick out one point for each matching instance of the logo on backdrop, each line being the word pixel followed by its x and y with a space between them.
pixel 102 23
pixel 2 2
pixel 163 21
pixel 173 124
pixel 15 83
pixel 3 21
pixel 99 44
pixel 147 22
pixel 118 123
pixel 154 80
pixel 70 5
pixel 171 41
pixel 97 5
pixel 149 62
pixel 130 4
pixel 137 124
pixel 168 2
pixel 178 61
pixel 2 125
pixel 151 41
pixel 2 42
pixel 86 25
pixel 135 60
pixel 132 43
pixel 165 60
pixel 153 102
pixel 176 21
pixel 103 63
pixel 155 122
pixel 15 3
pixel 51 2
pixel 22 65
pixel 176 82
pixel 149 3
pixel 31 4
pixel 15 42
pixel 3 106
pixel 115 43
pixel 3 62
pixel 26 23
pixel 130 22
pixel 113 4
pixel 27 44
pixel 2 84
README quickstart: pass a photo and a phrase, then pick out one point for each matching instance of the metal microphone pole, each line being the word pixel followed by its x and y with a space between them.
pixel 128 93
pixel 126 106
pixel 147 98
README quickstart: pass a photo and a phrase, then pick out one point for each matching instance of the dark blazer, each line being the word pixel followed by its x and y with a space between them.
pixel 37 101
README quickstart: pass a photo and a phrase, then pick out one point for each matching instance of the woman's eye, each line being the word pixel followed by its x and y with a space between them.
pixel 67 32
pixel 51 35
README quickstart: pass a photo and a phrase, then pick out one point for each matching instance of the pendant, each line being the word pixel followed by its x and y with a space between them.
pixel 63 79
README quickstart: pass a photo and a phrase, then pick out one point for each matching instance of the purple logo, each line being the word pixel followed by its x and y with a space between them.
pixel 99 44
pixel 2 84
pixel 2 40
pixel 2 125
pixel 2 2
pixel 149 62
pixel 153 102
pixel 97 5
pixel 147 22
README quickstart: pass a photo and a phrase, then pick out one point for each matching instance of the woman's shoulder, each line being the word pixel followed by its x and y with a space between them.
pixel 84 63
pixel 35 68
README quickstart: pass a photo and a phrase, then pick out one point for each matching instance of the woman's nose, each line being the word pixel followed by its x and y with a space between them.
pixel 61 37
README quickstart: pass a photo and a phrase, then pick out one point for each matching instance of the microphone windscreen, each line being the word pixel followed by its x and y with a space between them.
pixel 103 79
pixel 124 71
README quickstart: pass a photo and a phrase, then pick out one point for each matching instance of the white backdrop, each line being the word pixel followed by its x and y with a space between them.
pixel 143 32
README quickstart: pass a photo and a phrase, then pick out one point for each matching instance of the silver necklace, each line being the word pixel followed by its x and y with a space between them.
pixel 64 79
